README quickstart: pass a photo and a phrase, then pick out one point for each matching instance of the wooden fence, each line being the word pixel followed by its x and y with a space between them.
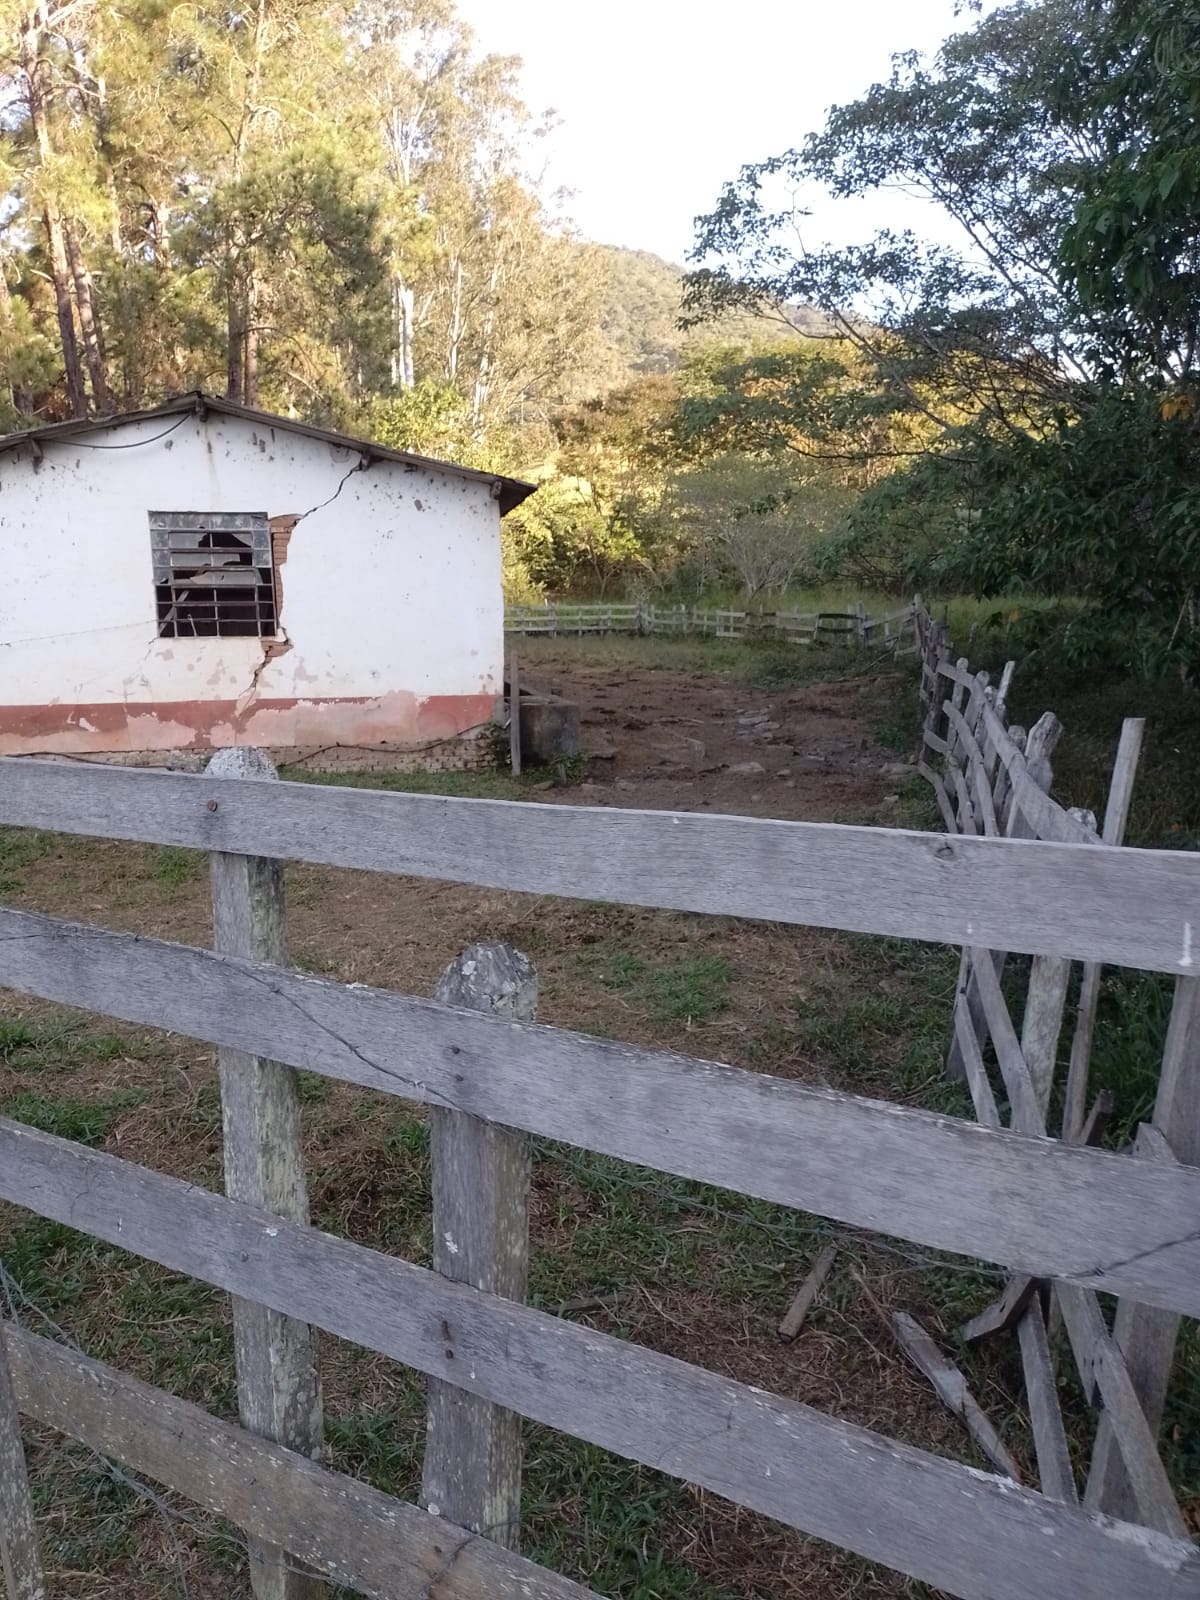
pixel 855 626
pixel 993 779
pixel 1044 1209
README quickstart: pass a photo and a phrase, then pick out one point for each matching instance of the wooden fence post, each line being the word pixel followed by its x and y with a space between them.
pixel 472 1469
pixel 1146 1335
pixel 514 715
pixel 1116 817
pixel 20 1561
pixel 279 1386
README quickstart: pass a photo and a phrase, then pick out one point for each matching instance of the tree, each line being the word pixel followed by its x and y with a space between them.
pixel 1059 135
pixel 751 519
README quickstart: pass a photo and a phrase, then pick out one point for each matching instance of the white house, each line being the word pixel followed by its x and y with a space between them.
pixel 203 575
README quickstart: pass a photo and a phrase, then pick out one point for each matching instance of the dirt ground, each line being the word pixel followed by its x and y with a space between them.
pixel 687 739
pixel 695 1272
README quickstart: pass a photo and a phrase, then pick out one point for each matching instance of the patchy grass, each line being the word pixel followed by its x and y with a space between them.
pixel 491 784
pixel 86 1122
pixel 173 867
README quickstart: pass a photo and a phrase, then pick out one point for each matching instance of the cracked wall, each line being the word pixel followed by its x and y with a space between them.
pixel 387 589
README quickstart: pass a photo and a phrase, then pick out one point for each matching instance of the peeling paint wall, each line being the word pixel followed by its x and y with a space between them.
pixel 391 627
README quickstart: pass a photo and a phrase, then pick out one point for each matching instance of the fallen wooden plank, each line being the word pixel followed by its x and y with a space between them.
pixel 1004 1312
pixel 828 1478
pixel 809 1290
pixel 364 1540
pixel 1031 1204
pixel 952 1388
pixel 1045 1413
pixel 1125 907
pixel 1100 1362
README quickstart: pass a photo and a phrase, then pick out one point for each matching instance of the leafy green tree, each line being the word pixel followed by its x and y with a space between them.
pixel 1041 377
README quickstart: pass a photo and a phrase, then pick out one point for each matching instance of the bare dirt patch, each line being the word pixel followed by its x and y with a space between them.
pixel 687 738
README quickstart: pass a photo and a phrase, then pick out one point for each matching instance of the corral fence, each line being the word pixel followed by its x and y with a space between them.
pixel 1051 1211
pixel 992 778
pixel 855 626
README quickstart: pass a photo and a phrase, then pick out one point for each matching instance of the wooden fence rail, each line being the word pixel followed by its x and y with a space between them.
pixel 1050 1208
pixel 1046 1210
pixel 895 630
pixel 1124 908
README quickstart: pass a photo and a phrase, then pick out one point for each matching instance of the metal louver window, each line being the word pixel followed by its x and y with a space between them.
pixel 213 576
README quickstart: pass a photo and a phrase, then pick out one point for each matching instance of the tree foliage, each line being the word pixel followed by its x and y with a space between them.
pixel 1040 379
pixel 305 203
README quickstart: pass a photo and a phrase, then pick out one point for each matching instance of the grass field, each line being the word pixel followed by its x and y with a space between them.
pixel 692 1271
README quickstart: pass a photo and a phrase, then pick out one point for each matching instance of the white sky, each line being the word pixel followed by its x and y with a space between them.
pixel 664 101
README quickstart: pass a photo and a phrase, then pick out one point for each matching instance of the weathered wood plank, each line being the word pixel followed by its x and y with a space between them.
pixel 952 1389
pixel 808 1291
pixel 828 1478
pixel 1041 1025
pixel 1045 819
pixel 472 1467
pixel 20 1556
pixel 514 715
pixel 984 805
pixel 279 1387
pixel 1026 1203
pixel 1013 1068
pixel 1116 818
pixel 1124 907
pixel 1101 1362
pixel 982 1097
pixel 1144 1334
pixel 966 812
pixel 364 1540
pixel 1045 1414
pixel 939 794
pixel 958 672
pixel 1004 1312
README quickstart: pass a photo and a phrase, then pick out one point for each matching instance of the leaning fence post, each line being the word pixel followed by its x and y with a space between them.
pixel 20 1561
pixel 1146 1335
pixel 279 1386
pixel 472 1470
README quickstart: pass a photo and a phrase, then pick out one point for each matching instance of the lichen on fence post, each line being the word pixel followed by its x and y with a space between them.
pixel 278 1379
pixel 472 1469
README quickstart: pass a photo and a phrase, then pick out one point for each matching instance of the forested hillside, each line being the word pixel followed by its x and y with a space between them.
pixel 640 328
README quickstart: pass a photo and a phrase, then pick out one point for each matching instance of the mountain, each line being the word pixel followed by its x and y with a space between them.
pixel 639 332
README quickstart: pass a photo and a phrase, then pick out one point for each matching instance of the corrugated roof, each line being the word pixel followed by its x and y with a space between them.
pixel 509 491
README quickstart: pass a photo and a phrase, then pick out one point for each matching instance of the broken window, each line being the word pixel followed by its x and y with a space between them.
pixel 213 574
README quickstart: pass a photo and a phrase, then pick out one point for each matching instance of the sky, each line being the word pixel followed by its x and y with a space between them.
pixel 663 101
